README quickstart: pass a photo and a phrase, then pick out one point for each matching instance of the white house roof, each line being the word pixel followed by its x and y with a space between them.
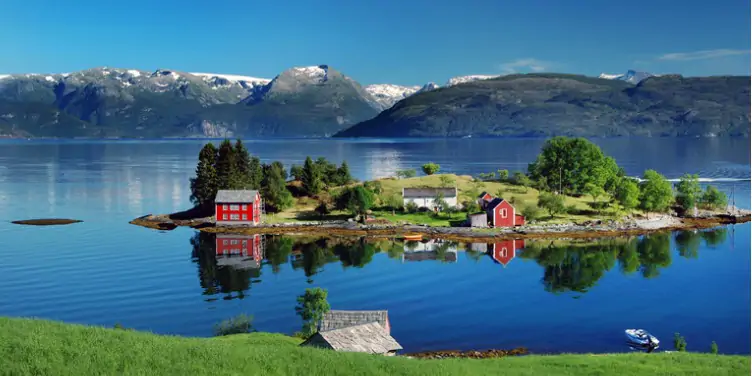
pixel 235 196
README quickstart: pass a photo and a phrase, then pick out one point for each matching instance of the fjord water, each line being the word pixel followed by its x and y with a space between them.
pixel 549 298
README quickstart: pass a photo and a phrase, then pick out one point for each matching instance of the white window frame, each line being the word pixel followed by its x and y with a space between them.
pixel 224 217
pixel 224 242
pixel 244 207
pixel 234 207
pixel 234 217
pixel 504 212
pixel 224 207
pixel 245 217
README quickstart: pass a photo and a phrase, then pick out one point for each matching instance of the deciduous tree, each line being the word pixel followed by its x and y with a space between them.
pixel 312 306
pixel 430 168
pixel 656 194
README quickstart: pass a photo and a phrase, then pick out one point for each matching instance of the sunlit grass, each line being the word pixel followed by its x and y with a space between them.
pixel 36 347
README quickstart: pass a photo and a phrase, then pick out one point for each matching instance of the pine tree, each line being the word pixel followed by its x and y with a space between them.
pixel 204 186
pixel 312 182
pixel 274 191
pixel 243 180
pixel 343 174
pixel 256 173
pixel 226 165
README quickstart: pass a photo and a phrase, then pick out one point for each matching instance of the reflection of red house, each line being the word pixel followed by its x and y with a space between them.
pixel 237 207
pixel 240 245
pixel 504 251
pixel 502 214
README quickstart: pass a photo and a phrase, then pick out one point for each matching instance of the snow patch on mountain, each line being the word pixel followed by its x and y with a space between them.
pixel 233 78
pixel 4 76
pixel 463 79
pixel 314 72
pixel 631 76
pixel 387 94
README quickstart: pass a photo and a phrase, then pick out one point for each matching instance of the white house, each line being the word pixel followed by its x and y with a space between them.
pixel 424 197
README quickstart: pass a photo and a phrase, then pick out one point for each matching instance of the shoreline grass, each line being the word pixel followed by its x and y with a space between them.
pixel 34 347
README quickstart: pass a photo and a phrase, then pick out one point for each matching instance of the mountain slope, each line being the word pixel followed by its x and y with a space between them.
pixel 558 104
pixel 633 77
pixel 302 101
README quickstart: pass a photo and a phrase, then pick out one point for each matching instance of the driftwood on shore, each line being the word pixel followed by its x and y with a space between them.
pixel 590 229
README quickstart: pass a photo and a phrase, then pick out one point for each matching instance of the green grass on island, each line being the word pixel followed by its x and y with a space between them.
pixel 580 208
pixel 38 347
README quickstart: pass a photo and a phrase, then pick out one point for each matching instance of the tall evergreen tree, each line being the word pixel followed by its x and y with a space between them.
pixel 275 193
pixel 343 174
pixel 243 179
pixel 256 173
pixel 226 165
pixel 204 186
pixel 312 182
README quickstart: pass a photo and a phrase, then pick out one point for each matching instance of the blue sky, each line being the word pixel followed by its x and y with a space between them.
pixel 407 42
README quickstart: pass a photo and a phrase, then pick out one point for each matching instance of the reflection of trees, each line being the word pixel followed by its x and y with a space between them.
pixel 356 254
pixel 277 251
pixel 216 279
pixel 578 267
pixel 655 253
pixel 688 243
pixel 715 237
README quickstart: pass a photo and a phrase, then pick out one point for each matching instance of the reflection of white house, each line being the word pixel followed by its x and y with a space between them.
pixel 424 197
pixel 421 251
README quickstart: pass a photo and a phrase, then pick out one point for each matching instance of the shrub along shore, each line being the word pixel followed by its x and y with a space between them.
pixel 34 347
pixel 571 182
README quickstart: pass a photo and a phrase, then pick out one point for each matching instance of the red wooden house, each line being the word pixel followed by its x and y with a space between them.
pixel 504 251
pixel 503 214
pixel 237 207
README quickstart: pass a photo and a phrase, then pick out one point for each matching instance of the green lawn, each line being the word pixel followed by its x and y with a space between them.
pixel 36 347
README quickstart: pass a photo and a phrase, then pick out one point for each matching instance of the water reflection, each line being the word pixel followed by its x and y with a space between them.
pixel 230 264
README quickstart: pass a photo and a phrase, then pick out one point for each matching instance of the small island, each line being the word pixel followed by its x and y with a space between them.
pixel 572 189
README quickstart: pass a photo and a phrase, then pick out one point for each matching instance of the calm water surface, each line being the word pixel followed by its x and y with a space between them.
pixel 550 297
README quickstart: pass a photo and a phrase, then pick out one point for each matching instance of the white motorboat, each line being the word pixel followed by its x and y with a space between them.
pixel 641 337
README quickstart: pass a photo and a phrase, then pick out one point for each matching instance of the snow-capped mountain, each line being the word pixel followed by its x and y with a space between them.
pixel 631 76
pixel 387 94
pixel 463 79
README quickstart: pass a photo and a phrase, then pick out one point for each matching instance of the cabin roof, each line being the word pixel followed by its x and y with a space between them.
pixel 234 196
pixel 484 194
pixel 336 319
pixel 494 203
pixel 368 338
pixel 428 192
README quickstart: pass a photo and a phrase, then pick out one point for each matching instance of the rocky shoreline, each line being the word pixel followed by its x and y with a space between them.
pixel 590 229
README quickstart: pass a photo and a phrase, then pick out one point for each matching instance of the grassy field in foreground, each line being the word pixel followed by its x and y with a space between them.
pixel 37 347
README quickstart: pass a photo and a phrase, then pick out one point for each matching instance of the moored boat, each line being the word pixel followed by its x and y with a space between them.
pixel 641 337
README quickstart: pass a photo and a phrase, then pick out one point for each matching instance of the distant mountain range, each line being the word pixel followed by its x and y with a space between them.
pixel 319 101
pixel 538 105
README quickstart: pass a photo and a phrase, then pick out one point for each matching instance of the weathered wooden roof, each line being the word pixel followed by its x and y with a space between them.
pixel 235 196
pixel 367 338
pixel 336 319
pixel 428 192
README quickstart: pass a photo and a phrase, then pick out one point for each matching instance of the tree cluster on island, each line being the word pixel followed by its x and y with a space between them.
pixel 233 167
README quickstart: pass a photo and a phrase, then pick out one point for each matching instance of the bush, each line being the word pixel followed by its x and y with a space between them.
pixel 552 203
pixel 530 212
pixel 431 168
pixel 572 209
pixel 322 209
pixel 411 207
pixel 513 200
pixel 680 344
pixel 503 175
pixel 712 198
pixel 470 206
pixel 236 325
pixel 713 348
pixel 406 174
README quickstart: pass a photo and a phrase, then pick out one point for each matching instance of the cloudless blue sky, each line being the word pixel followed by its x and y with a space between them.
pixel 402 42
